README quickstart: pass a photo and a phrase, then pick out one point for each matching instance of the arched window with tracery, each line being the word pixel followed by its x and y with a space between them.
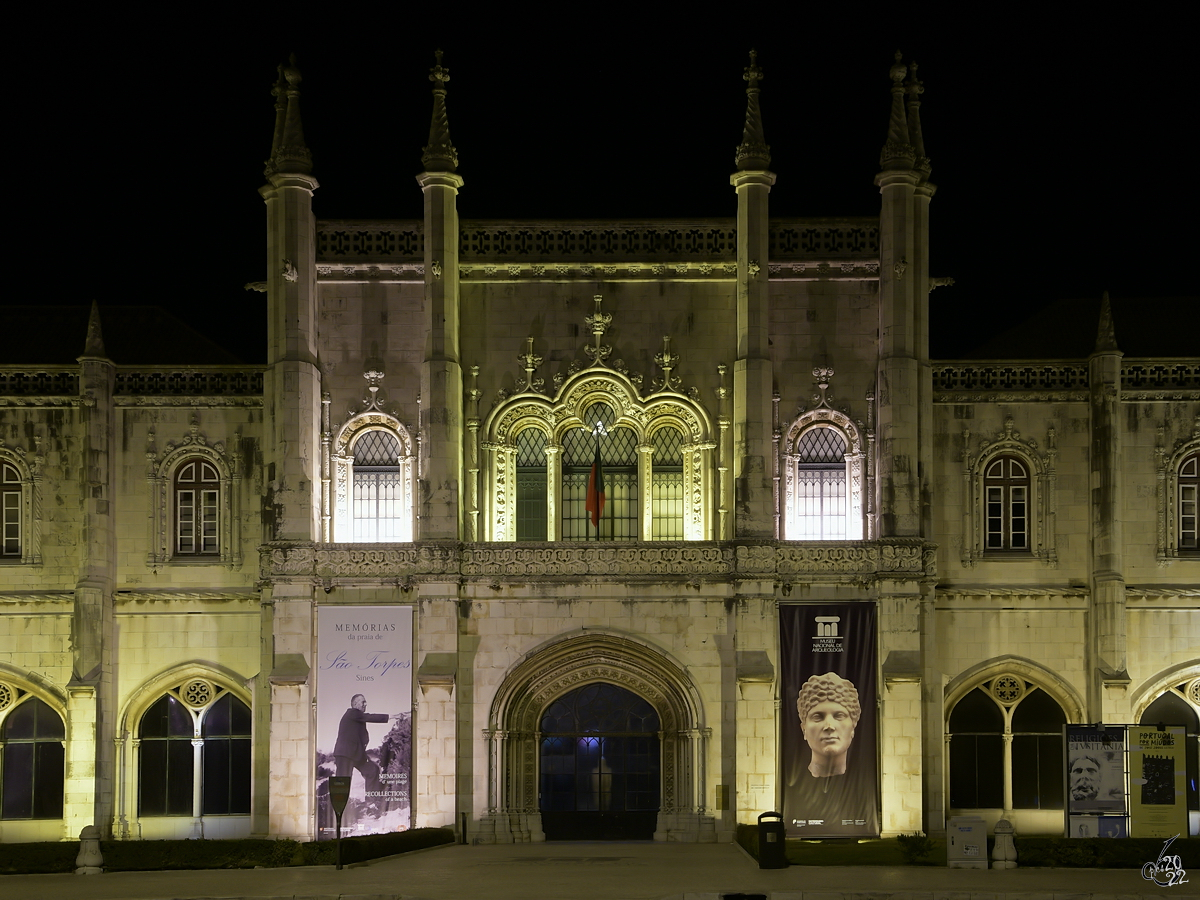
pixel 370 499
pixel 197 493
pixel 194 746
pixel 1006 505
pixel 820 486
pixel 655 462
pixel 379 512
pixel 531 485
pixel 824 473
pixel 11 501
pixel 667 487
pixel 1189 502
pixel 1005 747
pixel 32 759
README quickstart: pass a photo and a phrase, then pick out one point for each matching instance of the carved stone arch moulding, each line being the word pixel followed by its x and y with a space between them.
pixel 552 670
pixel 161 474
pixel 340 467
pixel 856 468
pixel 566 411
pixel 1043 482
pixel 1168 465
pixel 999 676
pixel 28 467
pixel 1184 675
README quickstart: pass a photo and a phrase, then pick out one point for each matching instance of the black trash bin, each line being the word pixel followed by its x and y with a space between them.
pixel 771 853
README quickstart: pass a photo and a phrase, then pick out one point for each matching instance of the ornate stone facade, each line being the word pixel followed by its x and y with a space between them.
pixel 717 331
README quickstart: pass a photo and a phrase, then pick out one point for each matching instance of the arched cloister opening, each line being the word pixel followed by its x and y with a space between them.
pixel 540 697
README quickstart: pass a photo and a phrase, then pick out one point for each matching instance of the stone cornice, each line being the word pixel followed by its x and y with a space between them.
pixel 856 561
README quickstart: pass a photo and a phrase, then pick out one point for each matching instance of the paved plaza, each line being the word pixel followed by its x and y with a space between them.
pixel 595 871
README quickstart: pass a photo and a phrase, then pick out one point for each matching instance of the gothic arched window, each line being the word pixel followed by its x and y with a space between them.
pixel 197 492
pixel 1180 705
pixel 31 757
pixel 819 489
pixel 666 485
pixel 1006 489
pixel 197 728
pixel 379 508
pixel 1006 747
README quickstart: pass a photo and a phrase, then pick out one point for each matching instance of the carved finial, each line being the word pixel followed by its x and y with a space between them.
pixel 439 154
pixel 530 361
pixel 666 361
pixel 374 377
pixel 93 344
pixel 823 374
pixel 915 89
pixel 289 152
pixel 897 152
pixel 1106 332
pixel 753 152
pixel 598 322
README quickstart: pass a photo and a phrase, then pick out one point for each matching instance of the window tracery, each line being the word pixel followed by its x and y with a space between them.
pixel 195 507
pixel 641 431
pixel 1006 724
pixel 32 756
pixel 194 752
pixel 1009 504
pixel 20 506
pixel 372 467
pixel 1179 496
pixel 825 472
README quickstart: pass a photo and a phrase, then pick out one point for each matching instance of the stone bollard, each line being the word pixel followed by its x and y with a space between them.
pixel 1004 853
pixel 89 861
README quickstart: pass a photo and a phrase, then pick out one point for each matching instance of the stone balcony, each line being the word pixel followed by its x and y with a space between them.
pixel 837 561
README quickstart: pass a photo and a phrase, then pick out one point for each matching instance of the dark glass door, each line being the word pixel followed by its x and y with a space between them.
pixel 600 766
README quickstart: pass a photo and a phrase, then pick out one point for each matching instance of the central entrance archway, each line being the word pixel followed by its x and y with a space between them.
pixel 600 766
pixel 554 671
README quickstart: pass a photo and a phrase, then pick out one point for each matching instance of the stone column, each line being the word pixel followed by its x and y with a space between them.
pixel 441 373
pixel 1107 701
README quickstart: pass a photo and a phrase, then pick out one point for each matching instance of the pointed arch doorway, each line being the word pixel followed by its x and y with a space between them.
pixel 628 678
pixel 600 766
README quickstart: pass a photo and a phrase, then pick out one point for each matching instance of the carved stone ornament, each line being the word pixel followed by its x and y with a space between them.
pixel 1043 488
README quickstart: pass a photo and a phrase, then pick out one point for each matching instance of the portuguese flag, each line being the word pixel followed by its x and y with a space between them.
pixel 595 491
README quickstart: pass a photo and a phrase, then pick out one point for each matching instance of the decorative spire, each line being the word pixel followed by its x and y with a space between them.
pixel 93 345
pixel 753 153
pixel 897 151
pixel 598 322
pixel 289 153
pixel 439 154
pixel 1106 332
pixel 279 92
pixel 915 89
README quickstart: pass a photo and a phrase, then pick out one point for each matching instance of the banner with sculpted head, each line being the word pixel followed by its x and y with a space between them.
pixel 364 716
pixel 828 761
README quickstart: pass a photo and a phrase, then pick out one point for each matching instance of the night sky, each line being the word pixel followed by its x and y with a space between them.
pixel 1058 146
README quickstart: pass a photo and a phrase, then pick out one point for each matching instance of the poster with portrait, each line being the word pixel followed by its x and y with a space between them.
pixel 364 716
pixel 1157 801
pixel 829 767
pixel 1095 770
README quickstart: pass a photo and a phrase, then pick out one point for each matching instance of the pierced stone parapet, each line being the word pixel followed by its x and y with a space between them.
pixel 16 381
pixel 588 243
pixel 239 382
pixel 904 557
pixel 1056 377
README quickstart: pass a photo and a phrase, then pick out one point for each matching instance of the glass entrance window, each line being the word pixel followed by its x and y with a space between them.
pixel 600 765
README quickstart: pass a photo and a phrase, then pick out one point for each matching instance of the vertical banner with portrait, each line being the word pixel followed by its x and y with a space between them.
pixel 1157 763
pixel 829 768
pixel 1096 798
pixel 364 716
